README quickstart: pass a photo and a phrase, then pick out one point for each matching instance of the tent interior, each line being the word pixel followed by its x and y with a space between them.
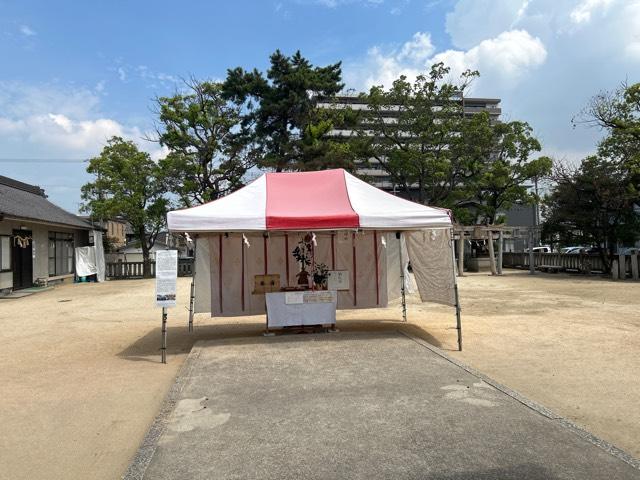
pixel 376 262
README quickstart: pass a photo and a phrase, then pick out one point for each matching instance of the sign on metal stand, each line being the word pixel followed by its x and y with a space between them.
pixel 166 287
pixel 164 335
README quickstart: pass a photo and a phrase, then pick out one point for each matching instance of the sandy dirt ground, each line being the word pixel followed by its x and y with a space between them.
pixel 81 378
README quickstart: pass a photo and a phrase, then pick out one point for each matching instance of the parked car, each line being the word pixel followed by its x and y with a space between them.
pixel 571 250
pixel 543 249
pixel 628 250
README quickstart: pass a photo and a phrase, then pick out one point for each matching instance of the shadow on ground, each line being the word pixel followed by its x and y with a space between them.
pixel 179 341
pixel 516 472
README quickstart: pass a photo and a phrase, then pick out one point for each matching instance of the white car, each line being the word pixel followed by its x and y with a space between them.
pixel 543 249
pixel 571 250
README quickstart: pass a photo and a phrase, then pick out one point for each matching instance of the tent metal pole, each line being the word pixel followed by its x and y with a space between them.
pixel 461 254
pixel 532 260
pixel 164 335
pixel 455 291
pixel 402 290
pixel 192 295
pixel 500 250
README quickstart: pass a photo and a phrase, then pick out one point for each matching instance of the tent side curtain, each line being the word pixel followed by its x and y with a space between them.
pixel 432 264
pixel 226 268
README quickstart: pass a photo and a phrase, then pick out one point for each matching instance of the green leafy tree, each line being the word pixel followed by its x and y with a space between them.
pixel 418 133
pixel 500 176
pixel 281 112
pixel 209 156
pixel 411 129
pixel 618 113
pixel 592 205
pixel 109 244
pixel 127 185
pixel 598 203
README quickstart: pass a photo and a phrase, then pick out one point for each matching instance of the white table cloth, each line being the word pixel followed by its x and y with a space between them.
pixel 289 309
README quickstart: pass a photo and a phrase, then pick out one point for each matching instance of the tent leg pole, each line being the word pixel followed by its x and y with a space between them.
pixel 164 335
pixel 500 250
pixel 461 254
pixel 191 301
pixel 458 319
pixel 402 290
pixel 532 260
pixel 192 298
pixel 455 291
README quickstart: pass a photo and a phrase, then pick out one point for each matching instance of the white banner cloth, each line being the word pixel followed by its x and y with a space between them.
pixel 432 264
pixel 100 267
pixel 86 261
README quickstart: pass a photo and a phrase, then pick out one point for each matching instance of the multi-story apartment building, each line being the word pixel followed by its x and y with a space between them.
pixel 373 170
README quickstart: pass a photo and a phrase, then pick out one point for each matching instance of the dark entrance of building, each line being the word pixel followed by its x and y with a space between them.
pixel 22 261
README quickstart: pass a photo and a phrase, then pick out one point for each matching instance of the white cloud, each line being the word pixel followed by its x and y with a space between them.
pixel 122 74
pixel 472 21
pixel 543 58
pixel 582 12
pixel 337 3
pixel 50 120
pixel 147 74
pixel 503 59
pixel 159 152
pixel 418 49
pixel 27 31
pixel 383 67
pixel 506 57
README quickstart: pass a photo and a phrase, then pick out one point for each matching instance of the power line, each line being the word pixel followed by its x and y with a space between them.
pixel 43 160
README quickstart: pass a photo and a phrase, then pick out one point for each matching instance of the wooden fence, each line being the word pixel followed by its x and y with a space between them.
pixel 623 266
pixel 124 270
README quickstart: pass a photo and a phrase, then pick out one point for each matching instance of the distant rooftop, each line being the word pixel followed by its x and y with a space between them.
pixel 10 182
pixel 22 201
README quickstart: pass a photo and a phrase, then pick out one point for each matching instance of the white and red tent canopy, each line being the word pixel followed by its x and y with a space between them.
pixel 324 200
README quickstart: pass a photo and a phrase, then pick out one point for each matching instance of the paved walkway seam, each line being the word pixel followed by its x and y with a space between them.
pixel 542 410
pixel 147 449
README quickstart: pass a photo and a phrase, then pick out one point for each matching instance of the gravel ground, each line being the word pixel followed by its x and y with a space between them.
pixel 82 380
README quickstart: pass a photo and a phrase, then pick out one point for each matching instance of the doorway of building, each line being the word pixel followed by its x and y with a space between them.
pixel 22 247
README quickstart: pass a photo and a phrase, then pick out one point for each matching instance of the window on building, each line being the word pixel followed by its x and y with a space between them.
pixel 5 253
pixel 60 253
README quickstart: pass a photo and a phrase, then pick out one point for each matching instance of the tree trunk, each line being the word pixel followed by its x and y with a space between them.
pixel 146 261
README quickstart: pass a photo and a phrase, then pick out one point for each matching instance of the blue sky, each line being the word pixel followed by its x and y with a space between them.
pixel 74 73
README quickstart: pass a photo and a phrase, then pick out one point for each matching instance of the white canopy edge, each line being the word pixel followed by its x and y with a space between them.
pixel 380 210
pixel 245 211
pixel 240 211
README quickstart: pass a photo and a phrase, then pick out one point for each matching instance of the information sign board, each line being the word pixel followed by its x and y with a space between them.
pixel 166 277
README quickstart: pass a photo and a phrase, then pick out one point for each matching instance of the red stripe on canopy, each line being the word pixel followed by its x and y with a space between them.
pixel 309 201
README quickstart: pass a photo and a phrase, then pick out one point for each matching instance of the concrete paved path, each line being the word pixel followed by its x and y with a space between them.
pixel 354 406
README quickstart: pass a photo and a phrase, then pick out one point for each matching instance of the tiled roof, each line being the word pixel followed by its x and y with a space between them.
pixel 28 202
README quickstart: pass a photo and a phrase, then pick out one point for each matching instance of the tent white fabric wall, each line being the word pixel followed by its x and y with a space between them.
pixel 202 278
pixel 432 265
pixel 237 296
pixel 393 267
pixel 210 283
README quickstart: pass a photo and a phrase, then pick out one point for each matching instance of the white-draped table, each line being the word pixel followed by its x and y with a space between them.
pixel 299 308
